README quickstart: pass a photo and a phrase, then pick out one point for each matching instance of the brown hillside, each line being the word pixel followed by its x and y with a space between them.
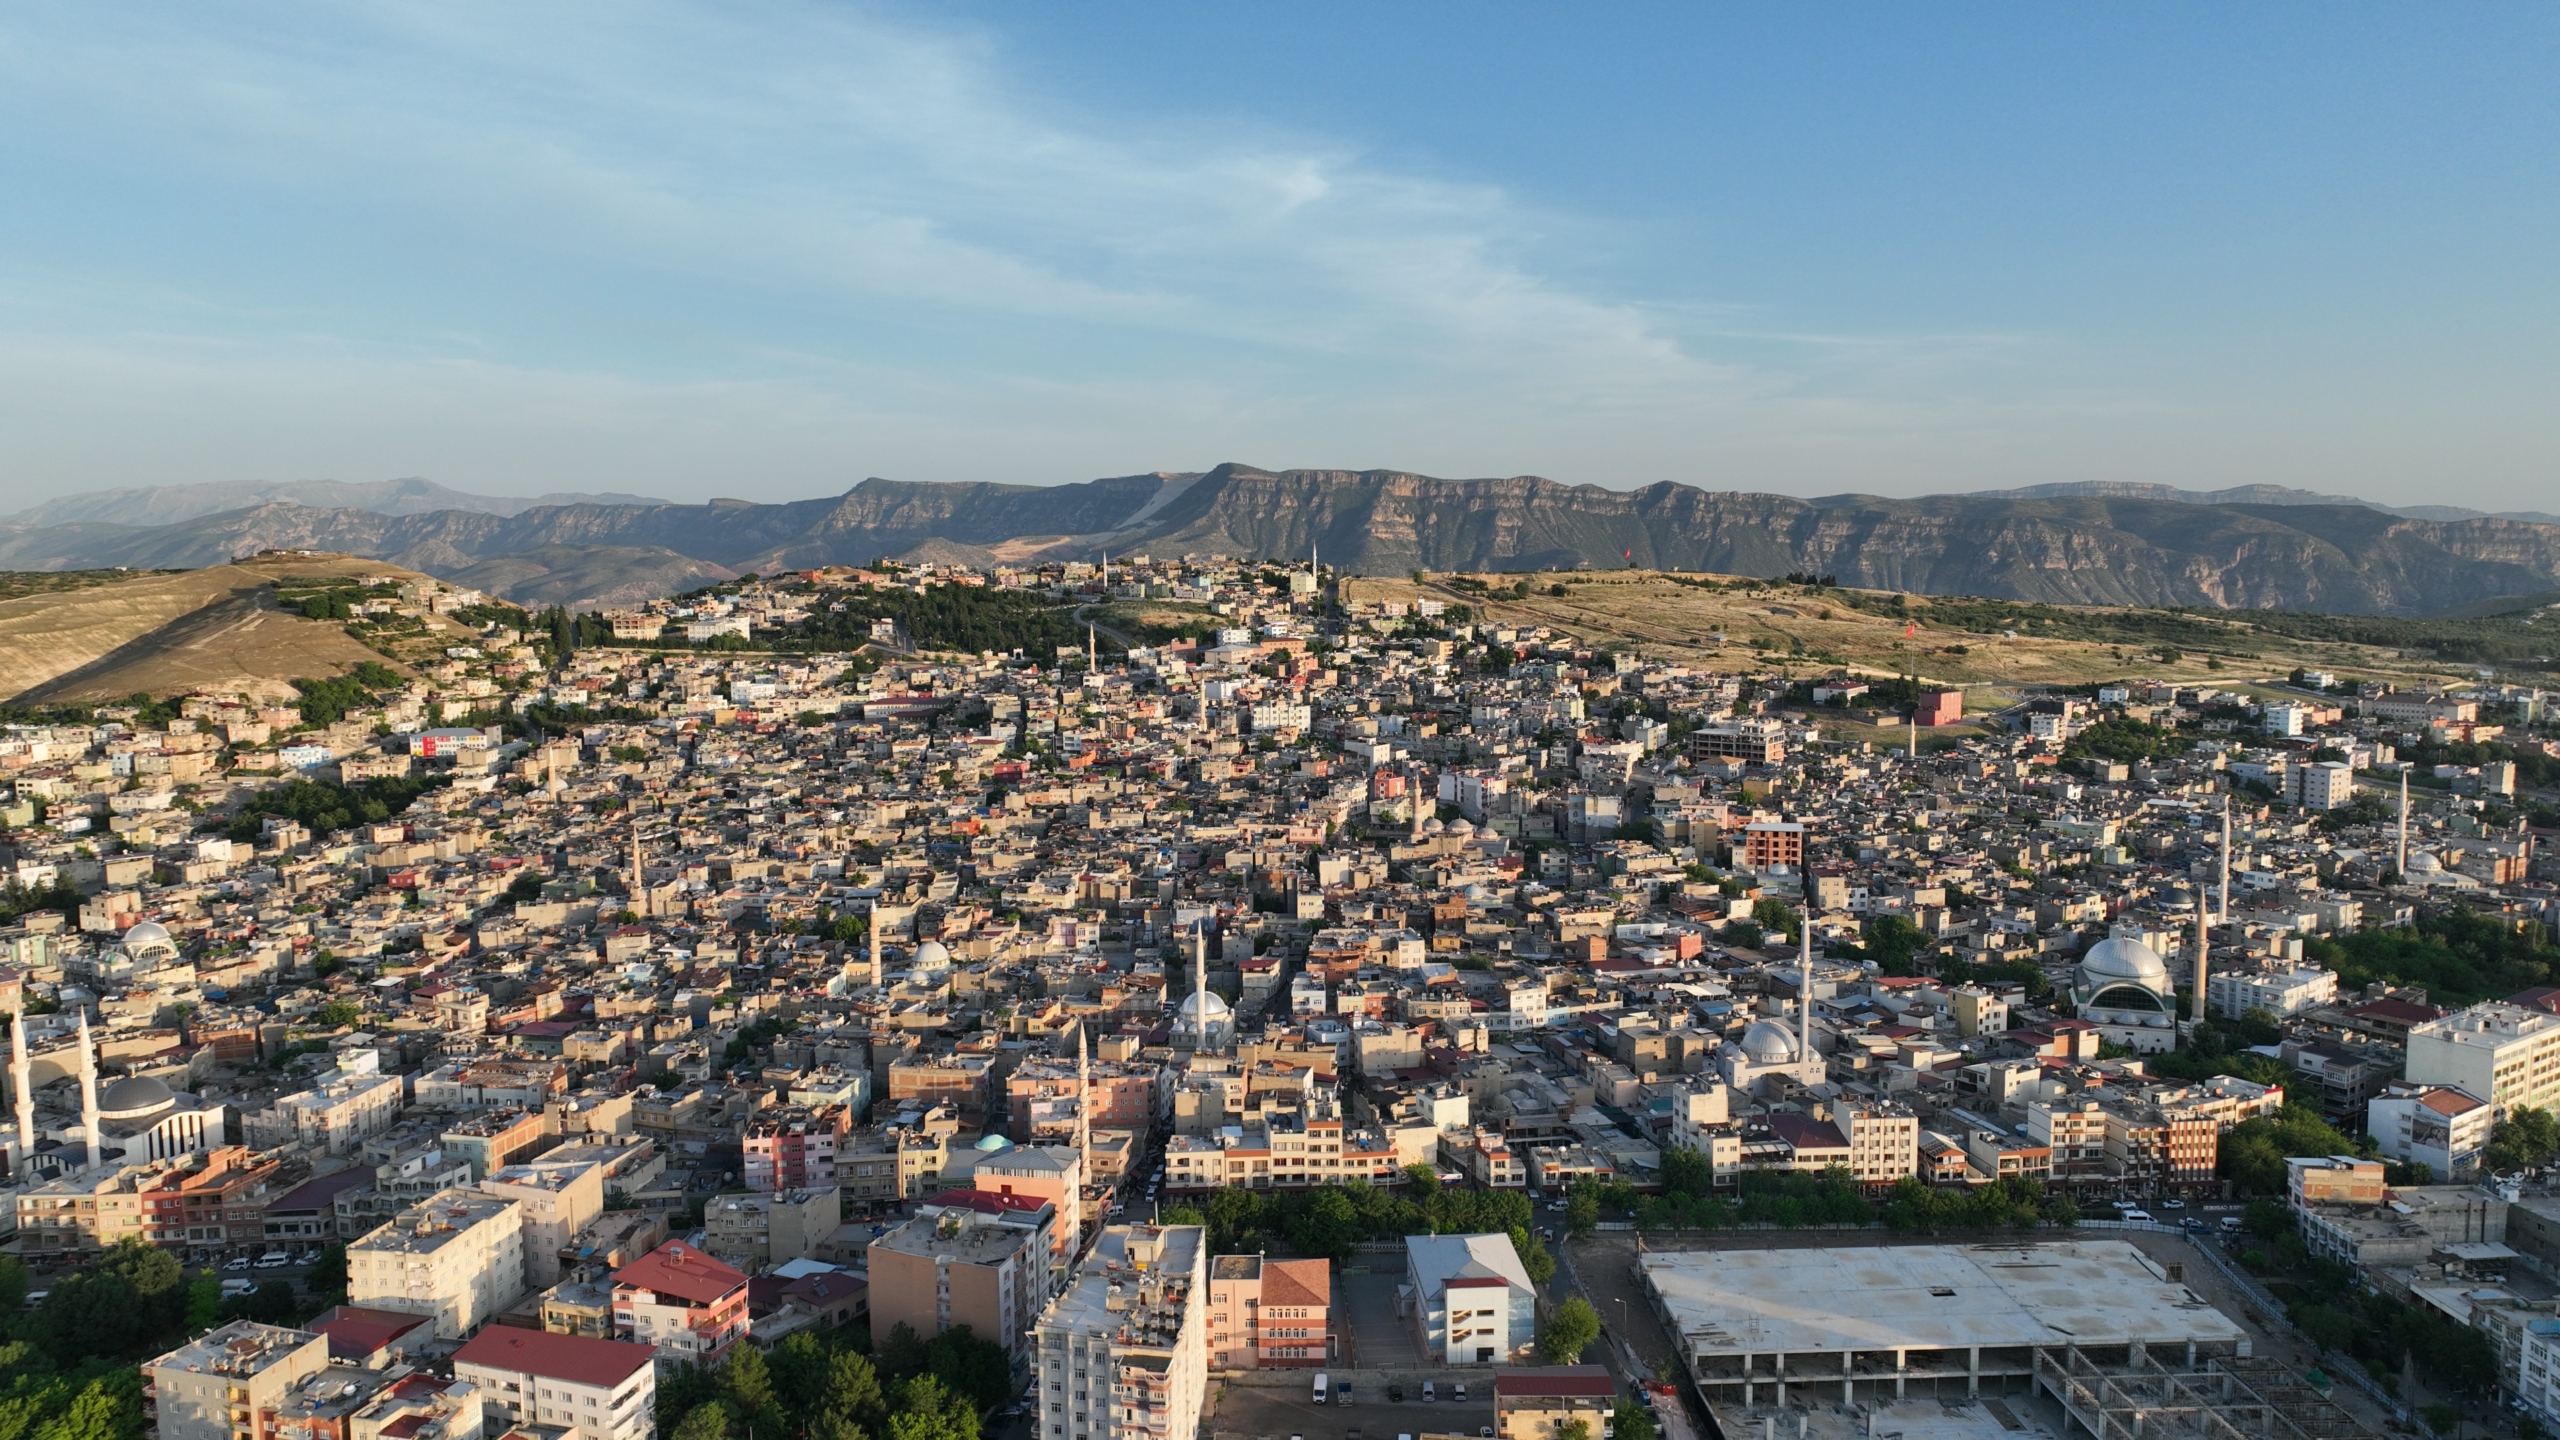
pixel 212 629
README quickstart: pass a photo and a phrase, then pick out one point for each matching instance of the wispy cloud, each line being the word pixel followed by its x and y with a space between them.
pixel 808 234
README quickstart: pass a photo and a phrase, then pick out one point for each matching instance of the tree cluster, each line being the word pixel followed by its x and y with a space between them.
pixel 818 1385
pixel 2254 1151
pixel 326 806
pixel 1328 1220
pixel 2460 956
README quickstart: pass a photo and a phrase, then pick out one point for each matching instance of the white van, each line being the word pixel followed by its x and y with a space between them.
pixel 2142 1215
pixel 1319 1389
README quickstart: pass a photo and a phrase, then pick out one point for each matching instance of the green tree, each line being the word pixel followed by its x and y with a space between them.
pixel 1582 1209
pixel 746 1382
pixel 1181 1215
pixel 1570 1331
pixel 706 1421
pixel 339 1012
pixel 852 1390
pixel 1685 1171
pixel 204 1302
pixel 2526 1139
pixel 329 1272
pixel 2254 1151
pixel 902 1352
pixel 927 1410
pixel 1632 1421
pixel 1534 1255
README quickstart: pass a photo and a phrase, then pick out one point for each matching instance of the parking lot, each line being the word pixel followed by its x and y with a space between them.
pixel 1263 1412
pixel 1378 1340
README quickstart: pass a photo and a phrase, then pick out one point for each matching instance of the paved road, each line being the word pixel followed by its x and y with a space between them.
pixel 1379 1340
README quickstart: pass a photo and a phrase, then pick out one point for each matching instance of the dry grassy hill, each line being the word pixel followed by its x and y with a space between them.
pixel 1811 630
pixel 217 628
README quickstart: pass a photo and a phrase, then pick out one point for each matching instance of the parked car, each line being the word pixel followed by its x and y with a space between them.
pixel 1458 1392
pixel 1430 1392
pixel 1342 1396
pixel 1395 1390
pixel 274 1260
pixel 240 1262
pixel 2173 1204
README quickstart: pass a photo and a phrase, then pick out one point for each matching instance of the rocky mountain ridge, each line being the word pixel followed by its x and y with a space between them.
pixel 2065 548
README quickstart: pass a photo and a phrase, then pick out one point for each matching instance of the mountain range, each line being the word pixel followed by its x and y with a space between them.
pixel 2256 547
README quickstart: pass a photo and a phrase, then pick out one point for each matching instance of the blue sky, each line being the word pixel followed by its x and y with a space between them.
pixel 766 249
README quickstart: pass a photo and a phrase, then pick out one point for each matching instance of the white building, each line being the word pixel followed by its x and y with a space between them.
pixel 2506 1054
pixel 2435 1125
pixel 2328 785
pixel 601 1389
pixel 1124 1353
pixel 1472 1302
pixel 330 1118
pixel 2278 992
pixel 457 1258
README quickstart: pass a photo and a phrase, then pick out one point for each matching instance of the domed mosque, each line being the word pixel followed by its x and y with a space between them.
pixel 2122 986
pixel 1770 1050
pixel 1205 1023
pixel 133 1120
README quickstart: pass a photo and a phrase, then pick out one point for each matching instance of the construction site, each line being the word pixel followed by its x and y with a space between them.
pixel 1972 1342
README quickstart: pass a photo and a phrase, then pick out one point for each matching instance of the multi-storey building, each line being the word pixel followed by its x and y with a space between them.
pixel 495 1140
pixel 558 1200
pixel 1055 1173
pixel 970 1257
pixel 1269 1314
pixel 688 1304
pixel 1472 1301
pixel 219 1385
pixel 200 1205
pixel 1123 1354
pixel 1288 1150
pixel 2508 1055
pixel 1538 1403
pixel 794 1147
pixel 757 1232
pixel 2438 1126
pixel 598 1389
pixel 457 1258
pixel 331 1117
pixel 2150 1145
pixel 2075 1130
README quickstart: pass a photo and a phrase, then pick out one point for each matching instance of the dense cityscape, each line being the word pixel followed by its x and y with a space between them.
pixel 917 1002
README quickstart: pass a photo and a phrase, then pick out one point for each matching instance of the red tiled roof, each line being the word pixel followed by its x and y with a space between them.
pixel 355 1332
pixel 577 1359
pixel 1297 1282
pixel 2405 1011
pixel 1806 1133
pixel 1563 1380
pixel 2449 1101
pixel 1475 1282
pixel 678 1269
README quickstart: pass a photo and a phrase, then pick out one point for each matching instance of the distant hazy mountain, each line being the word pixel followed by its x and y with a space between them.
pixel 2255 495
pixel 2163 548
pixel 169 504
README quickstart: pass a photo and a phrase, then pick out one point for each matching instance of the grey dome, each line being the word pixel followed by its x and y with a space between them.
pixel 2118 959
pixel 135 1097
pixel 1768 1043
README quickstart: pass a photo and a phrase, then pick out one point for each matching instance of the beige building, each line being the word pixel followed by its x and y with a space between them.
pixel 238 1371
pixel 330 1118
pixel 970 1257
pixel 558 1199
pixel 1537 1403
pixel 457 1258
pixel 1273 1314
pixel 756 1232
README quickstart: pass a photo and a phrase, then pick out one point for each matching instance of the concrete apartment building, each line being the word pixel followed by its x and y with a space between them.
pixel 600 1389
pixel 244 1368
pixel 1473 1303
pixel 1269 1314
pixel 2508 1055
pixel 758 1232
pixel 330 1118
pixel 457 1258
pixel 195 1205
pixel 970 1257
pixel 494 1140
pixel 558 1199
pixel 794 1147
pixel 688 1304
pixel 1055 1173
pixel 1123 1354
pixel 2437 1126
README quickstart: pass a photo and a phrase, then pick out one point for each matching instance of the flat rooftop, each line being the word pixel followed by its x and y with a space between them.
pixel 2008 1417
pixel 2080 1292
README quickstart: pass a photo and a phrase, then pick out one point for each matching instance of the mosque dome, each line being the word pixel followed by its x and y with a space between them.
pixel 2421 862
pixel 135 1097
pixel 149 932
pixel 993 1143
pixel 1462 827
pixel 2121 959
pixel 1768 1043
pixel 1434 827
pixel 2123 974
pixel 932 955
pixel 1209 1001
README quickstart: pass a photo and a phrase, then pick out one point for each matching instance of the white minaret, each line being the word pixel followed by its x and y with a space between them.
pixel 2400 856
pixel 1413 777
pixel 1092 652
pixel 639 876
pixel 2204 961
pixel 879 976
pixel 1200 985
pixel 2222 910
pixel 89 1091
pixel 1084 1096
pixel 22 1070
pixel 1804 992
